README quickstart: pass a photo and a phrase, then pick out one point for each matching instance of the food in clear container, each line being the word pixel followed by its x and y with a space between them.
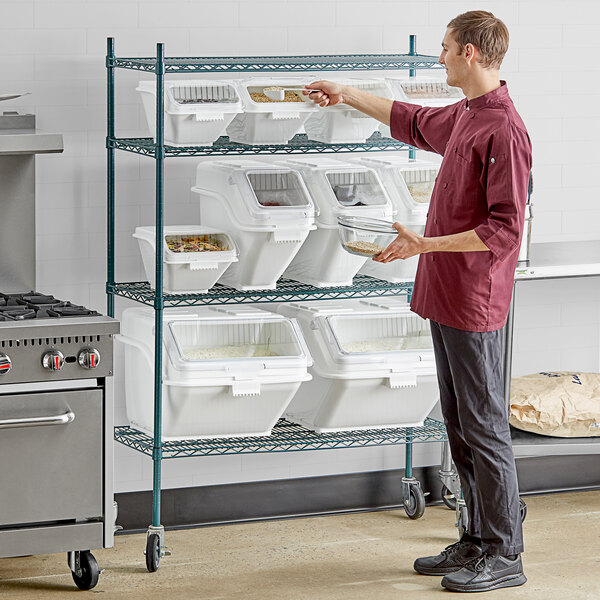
pixel 365 237
pixel 364 248
pixel 195 243
pixel 288 95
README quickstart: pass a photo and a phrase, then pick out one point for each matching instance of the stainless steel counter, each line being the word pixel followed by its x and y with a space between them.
pixel 552 260
pixel 561 259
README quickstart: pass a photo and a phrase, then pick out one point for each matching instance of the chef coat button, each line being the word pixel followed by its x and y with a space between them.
pixel 435 221
pixel 492 160
pixel 445 185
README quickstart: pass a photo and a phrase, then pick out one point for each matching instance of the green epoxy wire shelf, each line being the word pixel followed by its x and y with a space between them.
pixel 252 64
pixel 287 291
pixel 300 144
pixel 285 437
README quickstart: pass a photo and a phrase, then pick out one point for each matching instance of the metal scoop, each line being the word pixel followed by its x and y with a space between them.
pixel 278 93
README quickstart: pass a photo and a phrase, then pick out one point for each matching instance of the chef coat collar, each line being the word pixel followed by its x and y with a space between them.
pixel 496 96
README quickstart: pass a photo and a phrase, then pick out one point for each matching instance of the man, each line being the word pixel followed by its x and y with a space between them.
pixel 464 282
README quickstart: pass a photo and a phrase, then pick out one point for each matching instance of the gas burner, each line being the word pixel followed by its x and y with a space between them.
pixel 38 299
pixel 34 305
pixel 66 309
pixel 17 313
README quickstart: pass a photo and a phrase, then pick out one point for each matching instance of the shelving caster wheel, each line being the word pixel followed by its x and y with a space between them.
pixel 523 507
pixel 413 498
pixel 448 498
pixel 155 547
pixel 84 569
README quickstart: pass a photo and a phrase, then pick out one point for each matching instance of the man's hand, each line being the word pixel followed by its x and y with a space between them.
pixel 331 94
pixel 407 244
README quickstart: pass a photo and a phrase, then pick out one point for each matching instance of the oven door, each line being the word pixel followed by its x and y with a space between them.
pixel 50 456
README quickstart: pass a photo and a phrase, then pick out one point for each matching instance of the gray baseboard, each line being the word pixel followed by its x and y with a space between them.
pixel 309 496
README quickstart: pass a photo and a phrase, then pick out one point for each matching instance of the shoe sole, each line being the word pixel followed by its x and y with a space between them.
pixel 434 571
pixel 512 580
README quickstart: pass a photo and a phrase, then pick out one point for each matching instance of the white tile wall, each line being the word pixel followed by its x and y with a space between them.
pixel 56 50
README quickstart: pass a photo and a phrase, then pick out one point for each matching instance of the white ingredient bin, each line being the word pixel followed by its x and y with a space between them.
pixel 424 91
pixel 409 184
pixel 337 189
pixel 191 264
pixel 266 208
pixel 265 121
pixel 373 366
pixel 197 112
pixel 341 124
pixel 226 372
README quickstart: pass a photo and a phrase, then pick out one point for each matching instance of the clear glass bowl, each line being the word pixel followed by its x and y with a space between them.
pixel 365 237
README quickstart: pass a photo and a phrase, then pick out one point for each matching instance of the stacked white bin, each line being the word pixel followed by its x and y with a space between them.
pixel 226 372
pixel 337 189
pixel 269 122
pixel 424 91
pixel 186 272
pixel 373 366
pixel 197 112
pixel 340 124
pixel 265 208
pixel 409 184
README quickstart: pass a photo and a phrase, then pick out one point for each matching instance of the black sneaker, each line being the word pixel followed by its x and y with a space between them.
pixel 486 573
pixel 452 558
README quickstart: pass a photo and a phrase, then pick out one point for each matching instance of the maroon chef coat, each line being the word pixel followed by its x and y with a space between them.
pixel 481 185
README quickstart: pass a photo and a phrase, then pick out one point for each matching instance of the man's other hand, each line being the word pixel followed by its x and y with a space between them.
pixel 407 244
pixel 331 94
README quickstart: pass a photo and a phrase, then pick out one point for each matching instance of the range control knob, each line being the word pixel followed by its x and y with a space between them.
pixel 53 360
pixel 89 358
pixel 5 363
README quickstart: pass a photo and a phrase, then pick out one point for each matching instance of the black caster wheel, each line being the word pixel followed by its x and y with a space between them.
pixel 523 507
pixel 152 552
pixel 415 505
pixel 448 498
pixel 87 576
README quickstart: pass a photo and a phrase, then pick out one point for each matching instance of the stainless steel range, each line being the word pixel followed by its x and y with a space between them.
pixel 56 394
pixel 56 438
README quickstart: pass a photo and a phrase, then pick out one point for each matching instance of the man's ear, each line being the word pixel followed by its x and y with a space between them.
pixel 469 52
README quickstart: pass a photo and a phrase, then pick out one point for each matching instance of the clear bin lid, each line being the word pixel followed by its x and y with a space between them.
pixel 234 344
pixel 424 90
pixel 184 96
pixel 193 243
pixel 354 188
pixel 413 179
pixel 203 93
pixel 255 100
pixel 275 193
pixel 419 182
pixel 375 337
pixel 375 86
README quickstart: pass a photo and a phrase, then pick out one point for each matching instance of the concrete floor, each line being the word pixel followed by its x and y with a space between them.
pixel 347 557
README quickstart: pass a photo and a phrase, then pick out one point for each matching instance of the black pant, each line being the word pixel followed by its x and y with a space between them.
pixel 469 370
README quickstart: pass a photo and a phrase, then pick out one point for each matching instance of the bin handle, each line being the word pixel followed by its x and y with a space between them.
pixel 402 380
pixel 243 387
pixel 200 266
pixel 208 117
pixel 135 344
pixel 284 116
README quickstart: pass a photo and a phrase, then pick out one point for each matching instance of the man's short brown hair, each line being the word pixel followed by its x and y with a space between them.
pixel 485 31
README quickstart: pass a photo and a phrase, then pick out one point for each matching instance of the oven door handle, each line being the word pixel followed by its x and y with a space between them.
pixel 63 419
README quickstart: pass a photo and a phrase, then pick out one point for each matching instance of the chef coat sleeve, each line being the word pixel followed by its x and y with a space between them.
pixel 505 178
pixel 425 127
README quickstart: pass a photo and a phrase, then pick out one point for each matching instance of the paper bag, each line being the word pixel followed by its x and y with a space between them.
pixel 560 404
